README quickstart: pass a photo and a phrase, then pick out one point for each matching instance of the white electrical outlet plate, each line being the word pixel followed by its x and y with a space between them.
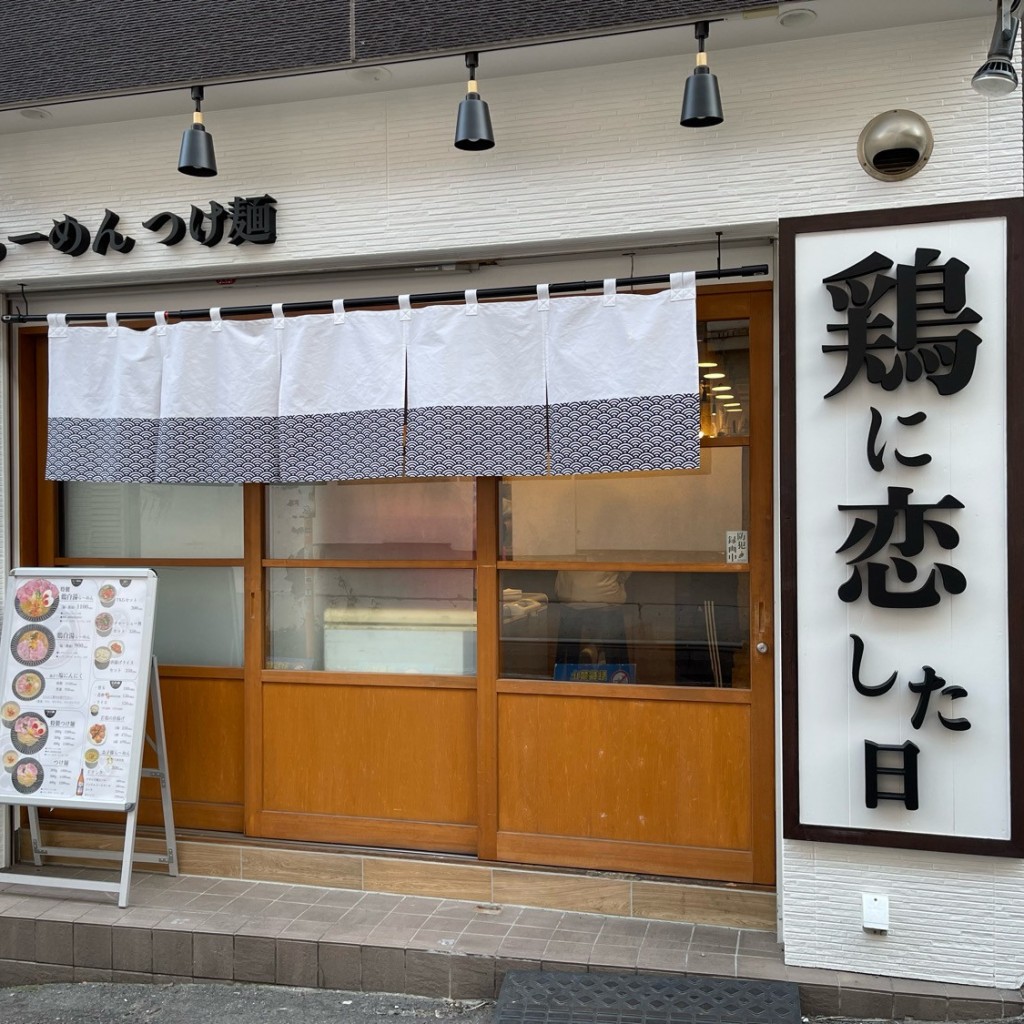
pixel 876 912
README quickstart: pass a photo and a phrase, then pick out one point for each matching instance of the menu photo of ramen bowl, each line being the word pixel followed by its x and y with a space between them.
pixel 36 599
pixel 28 684
pixel 27 775
pixel 29 732
pixel 32 645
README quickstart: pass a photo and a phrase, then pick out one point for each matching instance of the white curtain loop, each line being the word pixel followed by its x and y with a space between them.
pixel 277 310
pixel 111 325
pixel 339 311
pixel 610 294
pixel 160 316
pixel 543 296
pixel 682 286
pixel 57 324
pixel 472 306
pixel 215 319
pixel 404 307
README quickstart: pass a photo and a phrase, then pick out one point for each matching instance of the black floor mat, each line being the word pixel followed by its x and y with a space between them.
pixel 554 997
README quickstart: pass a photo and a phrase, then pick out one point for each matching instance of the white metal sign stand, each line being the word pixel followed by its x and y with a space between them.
pixel 76 673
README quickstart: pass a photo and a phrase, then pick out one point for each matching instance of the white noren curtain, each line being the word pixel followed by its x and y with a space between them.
pixel 582 384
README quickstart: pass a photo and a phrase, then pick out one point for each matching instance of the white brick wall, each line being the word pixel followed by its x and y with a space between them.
pixel 952 918
pixel 583 156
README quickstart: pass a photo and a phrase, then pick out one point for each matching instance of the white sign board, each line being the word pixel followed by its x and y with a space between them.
pixel 76 650
pixel 899 336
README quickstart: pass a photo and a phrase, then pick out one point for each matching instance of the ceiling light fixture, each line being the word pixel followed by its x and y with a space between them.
pixel 473 125
pixel 795 17
pixel 997 76
pixel 371 76
pixel 196 156
pixel 702 103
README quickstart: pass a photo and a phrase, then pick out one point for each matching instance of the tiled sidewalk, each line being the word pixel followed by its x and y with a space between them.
pixel 186 928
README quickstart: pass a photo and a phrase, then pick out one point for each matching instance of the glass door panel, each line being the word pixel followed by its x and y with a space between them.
pixel 674 517
pixel 373 520
pixel 597 626
pixel 420 621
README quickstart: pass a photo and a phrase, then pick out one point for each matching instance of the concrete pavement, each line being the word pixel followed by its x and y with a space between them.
pixel 308 938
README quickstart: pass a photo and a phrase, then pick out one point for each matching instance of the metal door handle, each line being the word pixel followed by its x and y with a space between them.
pixel 762 648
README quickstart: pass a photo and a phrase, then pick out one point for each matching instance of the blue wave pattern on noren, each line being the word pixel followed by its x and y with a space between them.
pixel 600 436
pixel 477 440
pixel 622 435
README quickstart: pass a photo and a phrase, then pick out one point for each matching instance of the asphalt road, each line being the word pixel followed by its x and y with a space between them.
pixel 87 1003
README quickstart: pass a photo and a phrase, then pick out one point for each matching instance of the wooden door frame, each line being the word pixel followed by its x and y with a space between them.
pixel 755 302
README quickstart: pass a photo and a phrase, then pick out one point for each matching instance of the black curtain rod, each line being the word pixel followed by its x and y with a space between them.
pixel 513 292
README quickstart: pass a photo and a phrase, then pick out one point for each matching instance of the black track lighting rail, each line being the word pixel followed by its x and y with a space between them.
pixel 423 298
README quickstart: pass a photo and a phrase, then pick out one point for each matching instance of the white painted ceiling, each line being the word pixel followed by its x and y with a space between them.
pixel 833 17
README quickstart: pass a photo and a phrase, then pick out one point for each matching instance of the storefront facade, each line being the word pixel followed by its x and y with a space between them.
pixel 404 664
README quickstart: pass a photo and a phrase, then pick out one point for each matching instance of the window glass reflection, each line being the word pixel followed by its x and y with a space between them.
pixel 372 620
pixel 723 361
pixel 402 519
pixel 681 516
pixel 198 617
pixel 152 520
pixel 668 629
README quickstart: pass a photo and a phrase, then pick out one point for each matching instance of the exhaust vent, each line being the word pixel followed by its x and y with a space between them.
pixel 895 145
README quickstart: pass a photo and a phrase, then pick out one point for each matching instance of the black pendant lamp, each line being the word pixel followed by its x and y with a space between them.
pixel 702 104
pixel 473 126
pixel 196 157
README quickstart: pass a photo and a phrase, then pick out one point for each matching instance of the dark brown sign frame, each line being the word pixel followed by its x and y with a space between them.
pixel 789 230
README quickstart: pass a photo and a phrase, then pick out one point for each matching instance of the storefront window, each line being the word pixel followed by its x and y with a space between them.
pixel 199 615
pixel 682 516
pixel 152 521
pixel 372 620
pixel 664 628
pixel 387 520
pixel 723 352
pixel 639 577
pixel 199 607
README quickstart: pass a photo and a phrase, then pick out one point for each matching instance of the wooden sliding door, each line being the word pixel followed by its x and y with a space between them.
pixel 557 671
pixel 634 698
pixel 362 662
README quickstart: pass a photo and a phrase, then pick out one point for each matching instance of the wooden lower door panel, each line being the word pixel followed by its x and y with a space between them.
pixel 650 858
pixel 375 764
pixel 642 785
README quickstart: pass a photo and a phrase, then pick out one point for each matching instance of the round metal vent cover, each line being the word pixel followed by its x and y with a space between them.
pixel 895 145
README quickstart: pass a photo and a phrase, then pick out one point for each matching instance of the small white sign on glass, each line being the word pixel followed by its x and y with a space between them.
pixel 736 545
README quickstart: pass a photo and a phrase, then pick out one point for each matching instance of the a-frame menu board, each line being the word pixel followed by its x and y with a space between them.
pixel 76 669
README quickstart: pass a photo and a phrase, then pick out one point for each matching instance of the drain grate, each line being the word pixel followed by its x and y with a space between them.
pixel 554 997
